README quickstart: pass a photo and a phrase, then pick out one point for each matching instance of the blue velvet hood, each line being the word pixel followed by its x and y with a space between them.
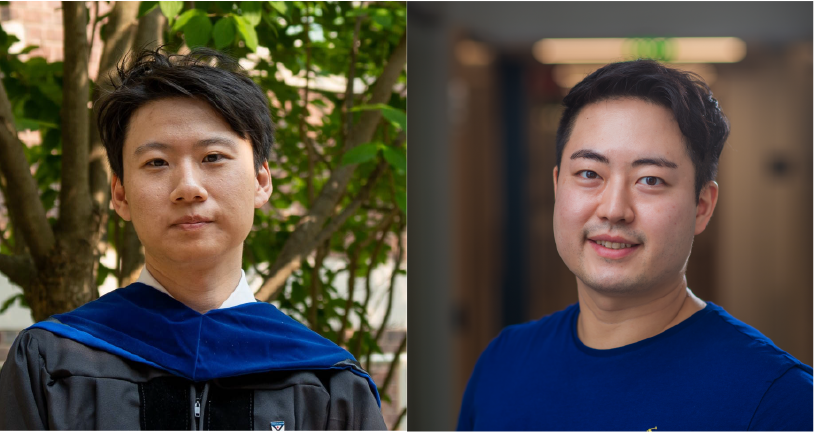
pixel 142 324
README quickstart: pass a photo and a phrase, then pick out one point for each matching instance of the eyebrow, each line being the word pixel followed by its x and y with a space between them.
pixel 202 143
pixel 660 162
pixel 590 154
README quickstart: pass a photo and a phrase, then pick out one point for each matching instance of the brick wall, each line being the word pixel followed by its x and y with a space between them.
pixel 40 23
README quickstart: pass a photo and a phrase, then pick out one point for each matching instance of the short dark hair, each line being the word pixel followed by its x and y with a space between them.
pixel 209 75
pixel 703 124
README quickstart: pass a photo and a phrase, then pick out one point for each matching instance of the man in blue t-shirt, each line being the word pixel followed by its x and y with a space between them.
pixel 637 154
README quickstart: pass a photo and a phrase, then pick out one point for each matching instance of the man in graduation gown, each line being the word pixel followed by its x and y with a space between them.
pixel 187 346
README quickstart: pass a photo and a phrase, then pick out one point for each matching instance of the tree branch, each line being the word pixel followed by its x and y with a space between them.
pixel 352 265
pixel 93 27
pixel 362 132
pixel 74 194
pixel 273 286
pixel 301 241
pixel 25 209
pixel 351 78
pixel 118 39
pixel 393 275
pixel 304 112
pixel 393 363
pixel 150 30
pixel 368 291
pixel 316 284
pixel 119 34
pixel 19 269
pixel 402 414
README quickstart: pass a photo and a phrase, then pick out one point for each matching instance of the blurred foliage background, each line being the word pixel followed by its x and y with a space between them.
pixel 336 79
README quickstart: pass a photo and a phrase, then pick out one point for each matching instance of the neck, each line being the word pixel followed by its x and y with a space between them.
pixel 201 286
pixel 607 322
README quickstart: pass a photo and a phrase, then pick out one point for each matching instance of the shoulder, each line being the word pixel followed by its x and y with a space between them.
pixel 508 355
pixel 779 384
pixel 353 404
pixel 516 344
pixel 539 332
pixel 64 356
pixel 734 339
pixel 35 341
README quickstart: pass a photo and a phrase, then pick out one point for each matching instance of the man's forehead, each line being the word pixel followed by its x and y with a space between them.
pixel 626 128
pixel 165 123
pixel 616 106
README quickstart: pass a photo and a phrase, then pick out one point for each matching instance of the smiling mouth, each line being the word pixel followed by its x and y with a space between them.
pixel 613 245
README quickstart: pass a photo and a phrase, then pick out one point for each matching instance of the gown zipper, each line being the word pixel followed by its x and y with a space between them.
pixel 201 390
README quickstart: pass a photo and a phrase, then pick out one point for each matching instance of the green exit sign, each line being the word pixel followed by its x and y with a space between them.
pixel 656 48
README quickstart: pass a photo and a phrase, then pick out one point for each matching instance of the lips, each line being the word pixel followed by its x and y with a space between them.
pixel 613 247
pixel 191 222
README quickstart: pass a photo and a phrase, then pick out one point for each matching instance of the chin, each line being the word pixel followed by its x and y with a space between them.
pixel 615 285
pixel 190 253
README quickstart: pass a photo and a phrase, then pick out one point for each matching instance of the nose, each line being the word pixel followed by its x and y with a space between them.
pixel 188 186
pixel 615 206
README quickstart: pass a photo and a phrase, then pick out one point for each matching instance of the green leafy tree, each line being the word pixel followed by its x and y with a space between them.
pixel 339 165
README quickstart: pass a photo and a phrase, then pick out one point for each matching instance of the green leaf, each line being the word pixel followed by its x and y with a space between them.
pixel 185 17
pixel 251 11
pixel 394 158
pixel 146 7
pixel 49 198
pixel 357 12
pixel 10 301
pixel 381 17
pixel 360 153
pixel 102 274
pixel 171 9
pixel 28 49
pixel 224 32
pixel 197 31
pixel 279 6
pixel 247 32
pixel 395 116
pixel 401 200
pixel 22 123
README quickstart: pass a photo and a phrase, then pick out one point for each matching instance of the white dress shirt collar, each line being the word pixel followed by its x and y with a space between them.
pixel 241 294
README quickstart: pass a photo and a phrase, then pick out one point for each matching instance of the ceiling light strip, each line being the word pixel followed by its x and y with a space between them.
pixel 673 50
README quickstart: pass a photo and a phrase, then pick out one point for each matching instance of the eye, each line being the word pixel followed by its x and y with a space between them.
pixel 156 163
pixel 651 181
pixel 588 174
pixel 214 157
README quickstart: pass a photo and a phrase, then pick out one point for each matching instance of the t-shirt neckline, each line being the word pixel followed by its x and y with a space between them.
pixel 636 345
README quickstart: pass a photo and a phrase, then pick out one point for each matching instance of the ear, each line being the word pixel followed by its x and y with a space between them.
pixel 119 198
pixel 556 172
pixel 706 205
pixel 263 185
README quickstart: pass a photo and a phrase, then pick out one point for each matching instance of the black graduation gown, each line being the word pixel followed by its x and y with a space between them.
pixel 138 359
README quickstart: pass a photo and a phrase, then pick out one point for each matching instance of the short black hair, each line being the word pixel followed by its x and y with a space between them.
pixel 209 75
pixel 703 124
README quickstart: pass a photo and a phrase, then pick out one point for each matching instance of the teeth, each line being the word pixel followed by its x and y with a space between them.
pixel 611 245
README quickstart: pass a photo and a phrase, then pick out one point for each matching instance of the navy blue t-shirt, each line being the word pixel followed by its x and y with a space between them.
pixel 709 372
